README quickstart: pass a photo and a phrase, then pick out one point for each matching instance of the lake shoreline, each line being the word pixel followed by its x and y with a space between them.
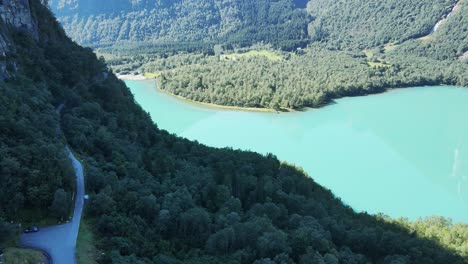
pixel 226 107
pixel 131 77
pixel 141 77
pixel 351 130
pixel 288 110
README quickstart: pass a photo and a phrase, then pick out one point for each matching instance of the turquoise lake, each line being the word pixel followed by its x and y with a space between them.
pixel 403 153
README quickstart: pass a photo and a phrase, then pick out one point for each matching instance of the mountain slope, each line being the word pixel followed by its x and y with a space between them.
pixel 449 42
pixel 157 198
pixel 354 48
pixel 33 161
pixel 343 24
pixel 96 23
pixel 365 24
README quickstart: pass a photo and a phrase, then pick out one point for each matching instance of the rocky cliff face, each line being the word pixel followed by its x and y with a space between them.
pixel 17 14
pixel 14 14
pixel 4 41
pixel 4 49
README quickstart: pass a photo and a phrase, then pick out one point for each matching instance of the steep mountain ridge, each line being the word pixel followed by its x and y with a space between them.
pixel 32 158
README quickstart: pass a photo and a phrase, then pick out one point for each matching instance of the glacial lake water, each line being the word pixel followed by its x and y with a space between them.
pixel 403 153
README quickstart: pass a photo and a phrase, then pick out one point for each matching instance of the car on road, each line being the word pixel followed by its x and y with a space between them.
pixel 33 229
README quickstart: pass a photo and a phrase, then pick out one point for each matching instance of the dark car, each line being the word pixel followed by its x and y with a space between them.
pixel 33 229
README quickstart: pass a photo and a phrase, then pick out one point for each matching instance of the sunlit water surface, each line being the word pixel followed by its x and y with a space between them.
pixel 403 153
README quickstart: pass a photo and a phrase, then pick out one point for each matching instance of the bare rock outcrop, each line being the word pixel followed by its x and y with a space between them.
pixel 17 14
pixel 14 14
pixel 464 56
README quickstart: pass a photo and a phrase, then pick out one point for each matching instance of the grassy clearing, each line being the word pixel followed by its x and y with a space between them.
pixel 374 62
pixel 106 56
pixel 86 252
pixel 390 47
pixel 152 75
pixel 425 38
pixel 23 256
pixel 233 56
pixel 378 64
pixel 369 54
pixel 253 53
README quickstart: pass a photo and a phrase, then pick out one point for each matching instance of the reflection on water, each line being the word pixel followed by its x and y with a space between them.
pixel 458 174
pixel 403 153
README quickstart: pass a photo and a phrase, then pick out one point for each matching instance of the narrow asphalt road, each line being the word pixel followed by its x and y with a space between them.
pixel 59 242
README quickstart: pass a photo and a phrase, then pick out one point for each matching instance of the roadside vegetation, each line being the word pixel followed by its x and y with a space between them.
pixel 86 251
pixel 10 253
pixel 22 256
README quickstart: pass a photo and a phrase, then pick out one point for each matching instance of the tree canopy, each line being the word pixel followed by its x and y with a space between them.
pixel 158 198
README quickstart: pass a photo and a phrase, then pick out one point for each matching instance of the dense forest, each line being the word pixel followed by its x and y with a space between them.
pixel 364 24
pixel 309 78
pixel 35 173
pixel 285 23
pixel 449 42
pixel 355 48
pixel 168 22
pixel 158 198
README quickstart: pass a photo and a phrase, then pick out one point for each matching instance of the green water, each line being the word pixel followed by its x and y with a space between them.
pixel 402 153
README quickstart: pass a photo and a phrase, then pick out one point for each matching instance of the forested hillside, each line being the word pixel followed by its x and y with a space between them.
pixel 369 23
pixel 309 79
pixel 35 172
pixel 157 198
pixel 285 23
pixel 98 23
pixel 449 42
pixel 355 48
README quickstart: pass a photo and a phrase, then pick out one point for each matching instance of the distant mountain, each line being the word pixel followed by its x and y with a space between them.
pixel 283 23
pixel 94 23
